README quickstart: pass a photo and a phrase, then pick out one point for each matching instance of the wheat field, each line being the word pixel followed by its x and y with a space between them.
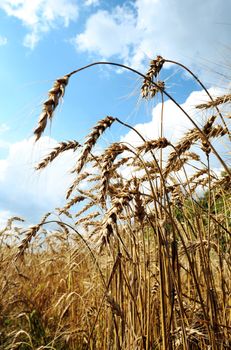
pixel 134 262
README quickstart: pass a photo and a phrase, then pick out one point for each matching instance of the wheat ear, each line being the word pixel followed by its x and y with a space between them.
pixel 218 101
pixel 148 90
pixel 49 106
pixel 108 158
pixel 30 233
pixel 62 146
pixel 100 127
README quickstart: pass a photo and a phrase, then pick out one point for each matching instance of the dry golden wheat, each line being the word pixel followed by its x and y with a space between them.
pixel 49 106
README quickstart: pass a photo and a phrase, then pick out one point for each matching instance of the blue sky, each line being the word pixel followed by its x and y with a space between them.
pixel 41 40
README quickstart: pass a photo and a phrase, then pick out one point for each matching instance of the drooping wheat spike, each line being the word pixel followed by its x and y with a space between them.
pixel 206 130
pixel 11 220
pixel 75 183
pixel 87 218
pixel 151 166
pixel 216 102
pixel 182 146
pixel 76 199
pixel 147 88
pixel 108 158
pixel 49 106
pixel 155 67
pixel 107 227
pixel 94 178
pixel 85 208
pixel 162 142
pixel 179 162
pixel 198 174
pixel 100 127
pixel 120 163
pixel 203 182
pixel 30 233
pixel 193 156
pixel 94 224
pixel 116 188
pixel 62 147
pixel 89 194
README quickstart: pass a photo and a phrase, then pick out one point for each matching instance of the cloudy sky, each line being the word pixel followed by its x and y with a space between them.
pixel 41 40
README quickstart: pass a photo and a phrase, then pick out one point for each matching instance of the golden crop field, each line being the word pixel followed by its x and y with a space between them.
pixel 135 262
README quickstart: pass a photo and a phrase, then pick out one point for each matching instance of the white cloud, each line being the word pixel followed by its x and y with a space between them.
pixel 4 144
pixel 39 16
pixel 190 31
pixel 91 2
pixel 3 128
pixel 29 193
pixel 109 34
pixel 31 39
pixel 3 40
